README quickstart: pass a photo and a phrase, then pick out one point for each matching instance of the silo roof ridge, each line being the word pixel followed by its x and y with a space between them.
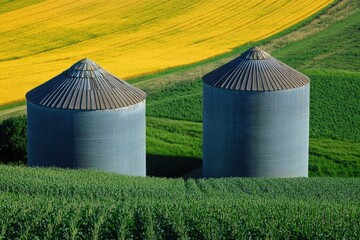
pixel 86 86
pixel 255 70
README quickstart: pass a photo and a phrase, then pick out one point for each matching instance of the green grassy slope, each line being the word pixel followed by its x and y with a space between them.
pixel 58 204
pixel 336 47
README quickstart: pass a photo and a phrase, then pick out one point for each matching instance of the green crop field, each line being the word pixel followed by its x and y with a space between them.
pixel 84 204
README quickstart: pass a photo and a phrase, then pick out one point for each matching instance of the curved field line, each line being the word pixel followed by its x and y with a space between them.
pixel 11 111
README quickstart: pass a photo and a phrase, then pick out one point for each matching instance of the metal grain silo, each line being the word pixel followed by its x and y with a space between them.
pixel 87 118
pixel 256 118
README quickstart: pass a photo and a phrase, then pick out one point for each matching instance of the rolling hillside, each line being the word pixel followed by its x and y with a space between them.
pixel 39 38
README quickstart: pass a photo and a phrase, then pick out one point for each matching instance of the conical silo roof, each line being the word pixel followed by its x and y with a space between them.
pixel 255 70
pixel 85 85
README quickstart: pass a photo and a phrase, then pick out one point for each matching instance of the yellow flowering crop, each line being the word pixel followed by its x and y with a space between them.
pixel 41 38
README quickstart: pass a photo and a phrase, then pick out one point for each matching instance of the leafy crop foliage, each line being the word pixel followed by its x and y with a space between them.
pixel 65 204
pixel 182 101
pixel 130 38
pixel 13 140
pixel 335 104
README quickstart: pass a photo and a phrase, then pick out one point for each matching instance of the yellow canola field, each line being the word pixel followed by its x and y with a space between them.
pixel 41 38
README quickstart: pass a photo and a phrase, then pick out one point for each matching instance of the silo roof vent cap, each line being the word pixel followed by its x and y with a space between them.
pixel 85 65
pixel 255 53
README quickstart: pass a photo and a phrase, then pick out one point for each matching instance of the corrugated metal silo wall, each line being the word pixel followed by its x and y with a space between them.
pixel 255 134
pixel 109 140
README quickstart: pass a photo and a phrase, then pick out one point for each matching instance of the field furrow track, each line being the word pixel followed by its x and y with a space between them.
pixel 12 112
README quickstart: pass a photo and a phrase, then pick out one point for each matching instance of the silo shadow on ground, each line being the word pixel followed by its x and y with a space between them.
pixel 173 167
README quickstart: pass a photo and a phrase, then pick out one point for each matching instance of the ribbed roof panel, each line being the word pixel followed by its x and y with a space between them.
pixel 255 70
pixel 87 86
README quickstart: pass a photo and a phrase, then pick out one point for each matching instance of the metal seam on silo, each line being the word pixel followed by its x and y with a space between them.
pixel 88 100
pixel 286 76
pixel 69 94
pixel 230 75
pixel 240 72
pixel 84 99
pixel 81 92
pixel 123 98
pixel 272 86
pixel 116 98
pixel 243 76
pixel 92 105
pixel 250 81
pixel 247 77
pixel 103 98
pixel 120 97
pixel 272 78
pixel 225 76
pixel 254 81
pixel 133 93
pixel 258 80
pixel 109 97
pixel 232 68
pixel 283 78
pixel 126 98
pixel 277 78
pixel 109 94
pixel 53 87
pixel 73 98
pixel 43 96
pixel 67 91
pixel 226 70
pixel 57 93
pixel 96 99
pixel 238 78
pixel 294 80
